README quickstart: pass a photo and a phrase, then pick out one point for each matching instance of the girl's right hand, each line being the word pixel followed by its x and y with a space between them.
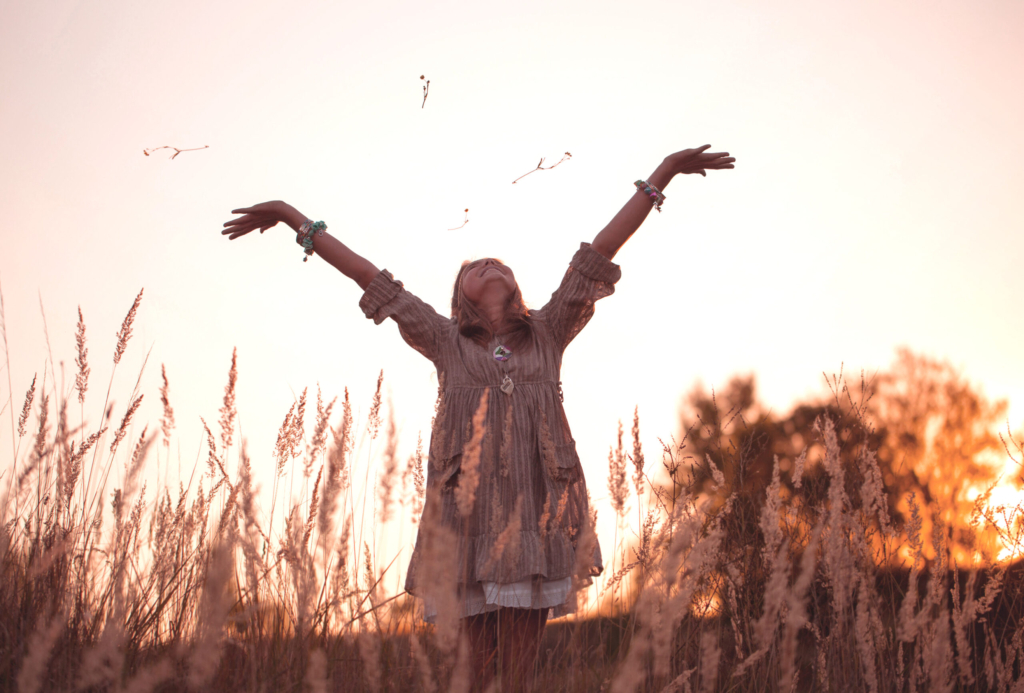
pixel 262 216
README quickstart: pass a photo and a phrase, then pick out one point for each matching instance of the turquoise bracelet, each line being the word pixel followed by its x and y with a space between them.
pixel 305 237
pixel 652 192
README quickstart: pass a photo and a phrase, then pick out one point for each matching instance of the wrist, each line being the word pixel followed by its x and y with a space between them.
pixel 293 217
pixel 663 174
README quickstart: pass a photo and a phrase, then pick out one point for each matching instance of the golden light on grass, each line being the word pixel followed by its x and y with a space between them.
pixel 806 578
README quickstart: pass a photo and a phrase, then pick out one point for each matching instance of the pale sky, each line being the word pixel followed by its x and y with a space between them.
pixel 875 200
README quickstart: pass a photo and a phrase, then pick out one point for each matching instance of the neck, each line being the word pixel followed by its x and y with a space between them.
pixel 492 306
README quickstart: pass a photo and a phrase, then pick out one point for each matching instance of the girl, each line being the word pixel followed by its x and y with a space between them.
pixel 507 510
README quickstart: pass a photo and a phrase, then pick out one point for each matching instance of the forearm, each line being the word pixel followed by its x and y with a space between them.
pixel 341 257
pixel 613 236
pixel 336 253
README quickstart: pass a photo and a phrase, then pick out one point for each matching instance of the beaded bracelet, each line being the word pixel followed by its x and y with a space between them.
pixel 305 237
pixel 648 189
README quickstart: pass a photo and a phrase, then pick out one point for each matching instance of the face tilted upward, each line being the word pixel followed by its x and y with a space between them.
pixel 487 276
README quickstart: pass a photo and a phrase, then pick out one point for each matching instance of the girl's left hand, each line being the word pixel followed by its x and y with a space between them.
pixel 698 160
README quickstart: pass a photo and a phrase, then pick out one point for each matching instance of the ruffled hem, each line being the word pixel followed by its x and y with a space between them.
pixel 555 595
pixel 551 558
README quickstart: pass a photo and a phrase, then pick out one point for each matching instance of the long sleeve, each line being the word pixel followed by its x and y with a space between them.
pixel 420 325
pixel 590 277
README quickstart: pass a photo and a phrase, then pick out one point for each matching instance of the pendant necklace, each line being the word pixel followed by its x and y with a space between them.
pixel 502 354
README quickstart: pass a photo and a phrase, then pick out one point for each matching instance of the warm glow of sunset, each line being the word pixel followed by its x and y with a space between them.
pixel 875 202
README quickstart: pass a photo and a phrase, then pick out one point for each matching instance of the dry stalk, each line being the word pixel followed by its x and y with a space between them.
pixel 542 167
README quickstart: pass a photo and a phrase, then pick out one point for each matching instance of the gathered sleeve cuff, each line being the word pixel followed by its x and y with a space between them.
pixel 420 325
pixel 379 293
pixel 594 265
pixel 590 277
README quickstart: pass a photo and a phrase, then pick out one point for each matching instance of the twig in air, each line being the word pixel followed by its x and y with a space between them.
pixel 542 167
pixel 177 151
pixel 426 89
pixel 463 223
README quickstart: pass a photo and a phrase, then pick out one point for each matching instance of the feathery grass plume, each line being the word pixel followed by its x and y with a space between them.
pixel 228 411
pixel 545 516
pixel 505 451
pixel 419 480
pixel 372 582
pixel 710 655
pixel 214 606
pixel 123 428
pixel 939 662
pixel 638 454
pixel 681 683
pixel 283 447
pixel 316 672
pixel 337 472
pixel 547 447
pixel 369 653
pixel 347 444
pixel 419 656
pixel 563 502
pixel 212 459
pixel 81 360
pixel 586 547
pixel 618 486
pixel 386 480
pixel 252 528
pixel 872 491
pixel 313 504
pixel 167 420
pixel 39 449
pixel 506 548
pixel 40 648
pixel 963 616
pixel 770 516
pixel 798 469
pixel 436 573
pixel 74 466
pixel 103 662
pixel 297 432
pixel 469 473
pixel 907 622
pixel 838 560
pixel 374 420
pixel 866 644
pixel 796 612
pixel 462 674
pixel 340 584
pixel 133 467
pixel 319 442
pixel 775 591
pixel 125 333
pixel 150 678
pixel 26 408
pixel 716 473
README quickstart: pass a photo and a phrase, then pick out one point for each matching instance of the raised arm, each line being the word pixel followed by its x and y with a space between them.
pixel 613 236
pixel 268 214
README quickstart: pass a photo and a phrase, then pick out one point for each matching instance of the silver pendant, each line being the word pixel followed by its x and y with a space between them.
pixel 507 385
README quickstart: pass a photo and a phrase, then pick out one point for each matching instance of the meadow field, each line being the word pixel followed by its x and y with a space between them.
pixel 811 581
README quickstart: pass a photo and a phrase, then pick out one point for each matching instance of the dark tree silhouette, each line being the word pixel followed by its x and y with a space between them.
pixel 932 432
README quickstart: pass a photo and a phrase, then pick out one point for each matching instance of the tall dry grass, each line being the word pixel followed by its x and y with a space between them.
pixel 201 587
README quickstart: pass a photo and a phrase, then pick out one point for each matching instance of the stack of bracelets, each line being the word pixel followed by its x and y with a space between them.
pixel 305 237
pixel 648 189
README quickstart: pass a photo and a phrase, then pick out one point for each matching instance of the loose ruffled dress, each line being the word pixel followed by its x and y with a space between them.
pixel 528 457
